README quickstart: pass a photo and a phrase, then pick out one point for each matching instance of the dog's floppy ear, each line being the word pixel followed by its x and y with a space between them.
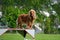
pixel 30 13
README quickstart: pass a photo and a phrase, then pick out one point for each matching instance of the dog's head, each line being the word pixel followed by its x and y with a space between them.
pixel 32 13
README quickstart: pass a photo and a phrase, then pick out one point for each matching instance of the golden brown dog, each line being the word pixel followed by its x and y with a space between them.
pixel 27 19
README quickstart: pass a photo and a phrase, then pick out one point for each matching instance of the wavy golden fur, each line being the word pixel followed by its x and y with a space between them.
pixel 27 19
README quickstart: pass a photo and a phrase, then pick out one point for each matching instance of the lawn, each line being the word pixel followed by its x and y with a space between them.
pixel 17 36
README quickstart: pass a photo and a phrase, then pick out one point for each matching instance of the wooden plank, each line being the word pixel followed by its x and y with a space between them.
pixel 15 29
pixel 29 31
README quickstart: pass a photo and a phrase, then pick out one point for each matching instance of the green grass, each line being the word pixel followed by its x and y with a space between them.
pixel 16 36
pixel 48 37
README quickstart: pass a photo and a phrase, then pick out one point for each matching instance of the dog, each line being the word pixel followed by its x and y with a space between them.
pixel 27 19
